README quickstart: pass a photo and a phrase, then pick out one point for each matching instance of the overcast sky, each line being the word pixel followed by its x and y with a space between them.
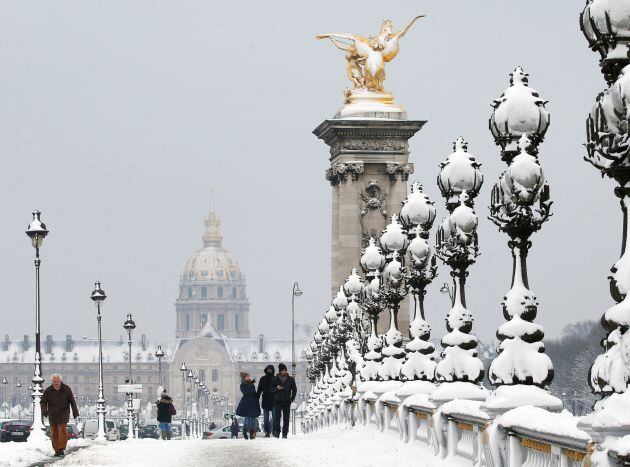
pixel 118 118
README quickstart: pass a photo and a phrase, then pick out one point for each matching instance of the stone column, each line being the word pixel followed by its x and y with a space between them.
pixel 369 170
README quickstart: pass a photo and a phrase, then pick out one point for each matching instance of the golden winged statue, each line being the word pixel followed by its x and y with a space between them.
pixel 366 56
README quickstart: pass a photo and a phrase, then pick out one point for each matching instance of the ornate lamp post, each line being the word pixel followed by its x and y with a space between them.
pixel 37 231
pixel 98 296
pixel 519 206
pixel 183 370
pixel 456 244
pixel 129 325
pixel 605 26
pixel 159 354
pixel 417 215
pixel 4 398
pixel 295 293
pixel 193 415
pixel 372 261
pixel 18 386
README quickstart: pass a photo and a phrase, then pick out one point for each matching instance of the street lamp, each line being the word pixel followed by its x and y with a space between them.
pixel 129 325
pixel 4 398
pixel 183 369
pixel 98 296
pixel 296 293
pixel 159 354
pixel 37 231
pixel 190 377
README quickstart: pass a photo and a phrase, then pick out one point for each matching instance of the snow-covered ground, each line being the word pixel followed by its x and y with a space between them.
pixel 348 447
pixel 19 454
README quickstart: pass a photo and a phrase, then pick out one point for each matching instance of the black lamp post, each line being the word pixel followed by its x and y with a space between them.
pixel 98 296
pixel 37 231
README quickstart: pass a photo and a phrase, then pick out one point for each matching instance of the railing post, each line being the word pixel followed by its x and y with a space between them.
pixel 452 437
pixel 515 456
pixel 412 426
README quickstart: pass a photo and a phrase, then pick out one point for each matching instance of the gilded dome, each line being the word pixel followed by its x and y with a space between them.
pixel 212 263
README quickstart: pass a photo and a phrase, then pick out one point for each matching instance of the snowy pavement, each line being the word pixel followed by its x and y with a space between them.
pixel 348 447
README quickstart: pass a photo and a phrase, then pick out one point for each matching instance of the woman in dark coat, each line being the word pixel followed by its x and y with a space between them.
pixel 248 407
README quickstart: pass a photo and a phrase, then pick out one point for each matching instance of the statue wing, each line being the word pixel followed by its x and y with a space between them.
pixel 404 31
pixel 360 43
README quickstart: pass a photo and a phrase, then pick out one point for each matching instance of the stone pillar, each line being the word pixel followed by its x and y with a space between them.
pixel 369 172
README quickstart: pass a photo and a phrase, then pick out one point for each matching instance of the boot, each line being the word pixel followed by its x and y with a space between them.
pixel 245 434
pixel 252 434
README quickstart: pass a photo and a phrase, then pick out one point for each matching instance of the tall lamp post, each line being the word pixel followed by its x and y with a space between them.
pixel 190 377
pixel 18 386
pixel 37 231
pixel 183 369
pixel 4 398
pixel 296 293
pixel 159 354
pixel 98 296
pixel 129 325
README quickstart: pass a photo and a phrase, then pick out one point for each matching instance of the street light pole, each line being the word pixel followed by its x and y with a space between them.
pixel 98 296
pixel 129 325
pixel 37 231
pixel 159 354
pixel 296 293
pixel 18 386
pixel 183 369
pixel 4 398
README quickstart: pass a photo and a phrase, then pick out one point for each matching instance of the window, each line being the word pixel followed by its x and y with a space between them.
pixel 190 292
pixel 215 376
pixel 233 292
pixel 204 320
pixel 187 327
pixel 204 292
pixel 202 375
pixel 220 322
pixel 220 292
pixel 236 322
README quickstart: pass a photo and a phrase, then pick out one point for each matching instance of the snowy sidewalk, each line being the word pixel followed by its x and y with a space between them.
pixel 348 447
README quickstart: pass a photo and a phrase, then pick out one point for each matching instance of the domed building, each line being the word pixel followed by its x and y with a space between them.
pixel 212 289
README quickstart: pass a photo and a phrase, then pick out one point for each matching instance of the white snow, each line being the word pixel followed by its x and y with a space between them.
pixel 508 397
pixel 16 454
pixel 542 421
pixel 464 407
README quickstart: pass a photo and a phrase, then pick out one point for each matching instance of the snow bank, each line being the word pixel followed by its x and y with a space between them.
pixel 15 454
pixel 610 413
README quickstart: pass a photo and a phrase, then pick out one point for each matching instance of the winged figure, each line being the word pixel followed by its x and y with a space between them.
pixel 366 56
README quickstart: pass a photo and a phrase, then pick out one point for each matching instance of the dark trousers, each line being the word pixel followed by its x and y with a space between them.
pixel 281 409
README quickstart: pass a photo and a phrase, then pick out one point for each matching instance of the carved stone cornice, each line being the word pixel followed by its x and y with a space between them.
pixel 340 171
pixel 347 136
pixel 398 171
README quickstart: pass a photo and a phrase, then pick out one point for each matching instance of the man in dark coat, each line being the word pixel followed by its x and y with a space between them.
pixel 285 391
pixel 56 402
pixel 265 389
pixel 165 412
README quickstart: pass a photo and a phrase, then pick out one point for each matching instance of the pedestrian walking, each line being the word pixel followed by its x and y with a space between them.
pixel 234 428
pixel 266 394
pixel 248 406
pixel 165 412
pixel 285 391
pixel 56 402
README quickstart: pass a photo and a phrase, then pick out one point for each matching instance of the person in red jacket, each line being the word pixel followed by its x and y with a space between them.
pixel 56 403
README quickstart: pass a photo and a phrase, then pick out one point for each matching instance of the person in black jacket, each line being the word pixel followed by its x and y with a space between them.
pixel 285 390
pixel 265 389
pixel 165 412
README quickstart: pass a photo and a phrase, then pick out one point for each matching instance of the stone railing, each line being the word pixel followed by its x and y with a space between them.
pixel 461 431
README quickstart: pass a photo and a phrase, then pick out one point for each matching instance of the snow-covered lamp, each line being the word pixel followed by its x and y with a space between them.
pixel 519 206
pixel 517 111
pixel 459 172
